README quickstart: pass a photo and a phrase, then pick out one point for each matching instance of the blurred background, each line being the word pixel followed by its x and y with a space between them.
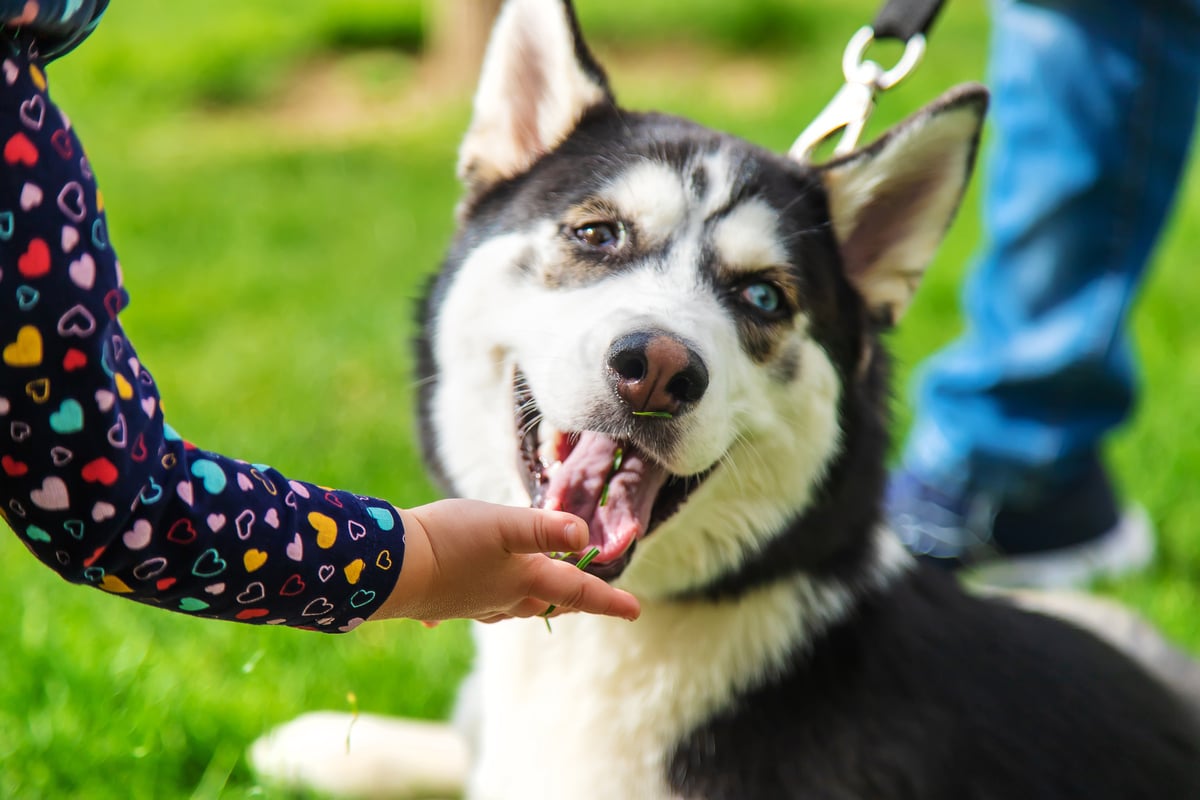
pixel 280 182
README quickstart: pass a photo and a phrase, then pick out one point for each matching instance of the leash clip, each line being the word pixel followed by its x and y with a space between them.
pixel 850 108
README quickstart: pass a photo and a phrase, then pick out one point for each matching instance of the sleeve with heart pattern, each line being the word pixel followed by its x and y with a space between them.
pixel 92 478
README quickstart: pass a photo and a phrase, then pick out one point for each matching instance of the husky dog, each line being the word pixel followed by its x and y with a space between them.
pixel 676 335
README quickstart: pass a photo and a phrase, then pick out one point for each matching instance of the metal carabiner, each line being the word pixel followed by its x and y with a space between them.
pixel 850 108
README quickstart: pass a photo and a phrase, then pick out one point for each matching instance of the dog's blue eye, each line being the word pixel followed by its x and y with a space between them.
pixel 763 296
pixel 600 235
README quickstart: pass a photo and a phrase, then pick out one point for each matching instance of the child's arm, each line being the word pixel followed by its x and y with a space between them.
pixel 100 488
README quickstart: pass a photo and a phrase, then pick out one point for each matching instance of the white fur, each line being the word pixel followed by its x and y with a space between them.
pixel 365 756
pixel 748 238
pixel 531 92
pixel 472 408
pixel 594 708
pixel 652 194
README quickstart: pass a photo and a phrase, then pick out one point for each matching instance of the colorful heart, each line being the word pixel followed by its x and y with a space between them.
pixel 384 560
pixel 325 527
pixel 83 271
pixel 77 321
pixel 150 568
pixel 383 517
pixel 317 606
pixel 252 593
pixel 101 471
pixel 211 474
pixel 19 150
pixel 111 583
pixel 26 351
pixel 61 141
pixel 293 586
pixel 36 534
pixel 35 261
pixel 70 202
pixel 27 297
pixel 139 536
pixel 31 196
pixel 151 494
pixel 105 400
pixel 254 559
pixel 74 359
pixel 209 564
pixel 181 532
pixel 68 419
pixel 252 613
pixel 13 468
pixel 52 496
pixel 70 238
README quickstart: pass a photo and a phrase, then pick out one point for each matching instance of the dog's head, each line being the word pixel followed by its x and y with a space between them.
pixel 670 331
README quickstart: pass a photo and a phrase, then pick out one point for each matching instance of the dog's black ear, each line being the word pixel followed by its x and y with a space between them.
pixel 538 80
pixel 891 202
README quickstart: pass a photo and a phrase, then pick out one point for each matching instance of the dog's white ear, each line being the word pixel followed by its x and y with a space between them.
pixel 538 81
pixel 891 202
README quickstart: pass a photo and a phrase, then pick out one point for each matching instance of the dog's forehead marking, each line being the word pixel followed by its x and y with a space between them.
pixel 664 200
pixel 651 194
pixel 747 237
pixel 718 183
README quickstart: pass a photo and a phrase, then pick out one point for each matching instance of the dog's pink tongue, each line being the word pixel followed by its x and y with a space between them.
pixel 577 486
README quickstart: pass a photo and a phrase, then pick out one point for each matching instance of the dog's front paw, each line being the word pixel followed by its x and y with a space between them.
pixel 363 756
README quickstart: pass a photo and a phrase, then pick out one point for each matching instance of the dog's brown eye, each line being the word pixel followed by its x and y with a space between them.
pixel 601 235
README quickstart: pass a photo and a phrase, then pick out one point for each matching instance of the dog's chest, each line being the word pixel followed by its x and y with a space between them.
pixel 597 707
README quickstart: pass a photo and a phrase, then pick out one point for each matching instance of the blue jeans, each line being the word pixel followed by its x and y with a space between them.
pixel 1093 111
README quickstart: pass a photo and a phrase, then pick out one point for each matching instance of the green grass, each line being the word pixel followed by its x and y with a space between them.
pixel 274 266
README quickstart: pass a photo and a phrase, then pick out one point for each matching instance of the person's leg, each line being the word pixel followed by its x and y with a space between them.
pixel 1093 112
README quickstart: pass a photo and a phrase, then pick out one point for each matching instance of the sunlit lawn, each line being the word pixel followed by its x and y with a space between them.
pixel 279 196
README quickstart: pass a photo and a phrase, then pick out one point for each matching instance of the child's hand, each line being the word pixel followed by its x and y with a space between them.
pixel 474 560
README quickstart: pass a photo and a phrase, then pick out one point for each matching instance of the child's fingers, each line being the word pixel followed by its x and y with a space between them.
pixel 530 530
pixel 561 584
pixel 529 607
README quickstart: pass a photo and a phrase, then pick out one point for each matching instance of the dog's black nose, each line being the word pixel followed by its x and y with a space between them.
pixel 656 372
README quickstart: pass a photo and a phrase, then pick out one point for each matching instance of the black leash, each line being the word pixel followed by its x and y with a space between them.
pixel 905 20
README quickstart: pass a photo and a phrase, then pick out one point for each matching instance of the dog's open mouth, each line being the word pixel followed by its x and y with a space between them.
pixel 620 490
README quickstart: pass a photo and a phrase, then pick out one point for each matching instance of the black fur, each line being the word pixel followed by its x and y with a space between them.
pixel 927 693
